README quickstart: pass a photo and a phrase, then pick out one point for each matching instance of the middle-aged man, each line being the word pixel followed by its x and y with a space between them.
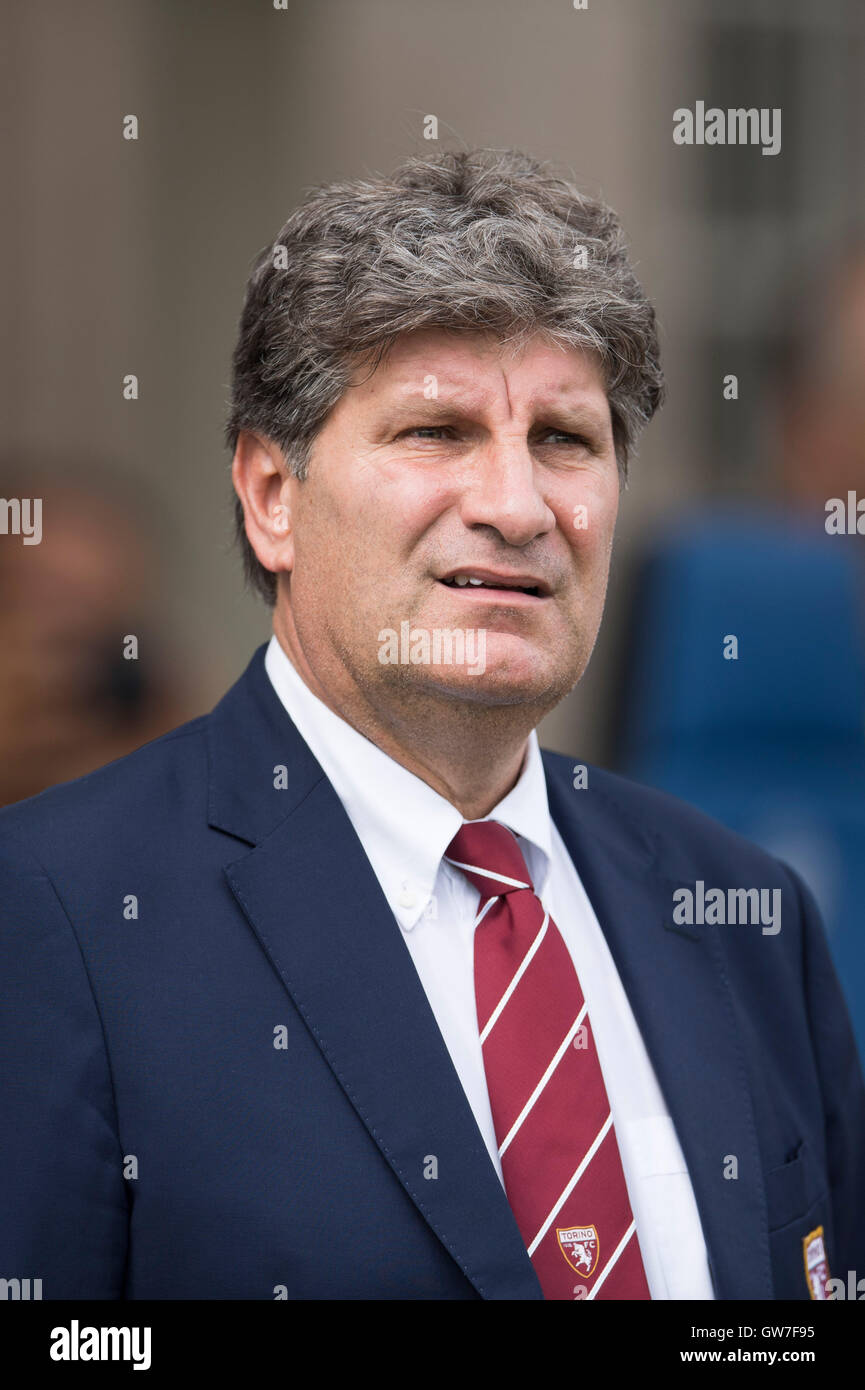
pixel 346 990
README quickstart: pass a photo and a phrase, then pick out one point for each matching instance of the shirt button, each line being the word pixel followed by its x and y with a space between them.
pixel 407 898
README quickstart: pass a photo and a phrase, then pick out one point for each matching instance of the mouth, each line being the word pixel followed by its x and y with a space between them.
pixel 482 583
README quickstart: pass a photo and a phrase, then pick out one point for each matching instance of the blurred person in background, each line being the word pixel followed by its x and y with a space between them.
pixel 817 404
pixel 70 700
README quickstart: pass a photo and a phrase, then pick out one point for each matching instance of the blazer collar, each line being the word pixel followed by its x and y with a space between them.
pixel 250 741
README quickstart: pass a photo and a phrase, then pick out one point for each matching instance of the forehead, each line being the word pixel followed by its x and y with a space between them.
pixel 477 369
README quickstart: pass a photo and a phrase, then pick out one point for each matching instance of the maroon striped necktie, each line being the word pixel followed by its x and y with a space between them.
pixel 560 1160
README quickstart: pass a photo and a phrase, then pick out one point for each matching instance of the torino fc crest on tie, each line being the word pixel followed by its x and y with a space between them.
pixel 816 1264
pixel 579 1245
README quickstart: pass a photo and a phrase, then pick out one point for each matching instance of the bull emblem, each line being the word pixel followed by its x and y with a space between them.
pixel 579 1245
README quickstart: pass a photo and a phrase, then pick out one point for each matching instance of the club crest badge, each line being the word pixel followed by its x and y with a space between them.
pixel 579 1245
pixel 816 1264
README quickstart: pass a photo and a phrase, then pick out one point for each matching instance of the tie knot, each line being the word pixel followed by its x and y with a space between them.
pixel 489 856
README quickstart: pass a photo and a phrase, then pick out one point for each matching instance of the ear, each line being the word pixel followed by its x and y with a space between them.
pixel 262 482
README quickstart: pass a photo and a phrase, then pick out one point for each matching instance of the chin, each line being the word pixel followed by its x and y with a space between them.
pixel 498 685
pixel 502 669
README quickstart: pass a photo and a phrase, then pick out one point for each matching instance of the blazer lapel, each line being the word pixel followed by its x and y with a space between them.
pixel 677 988
pixel 310 895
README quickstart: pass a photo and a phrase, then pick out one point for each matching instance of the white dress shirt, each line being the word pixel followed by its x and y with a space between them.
pixel 405 828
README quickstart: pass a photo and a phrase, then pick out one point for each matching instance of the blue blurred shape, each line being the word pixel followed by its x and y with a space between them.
pixel 772 743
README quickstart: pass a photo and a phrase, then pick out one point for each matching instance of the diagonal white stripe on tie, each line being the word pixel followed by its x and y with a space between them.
pixel 598 1140
pixel 484 910
pixel 544 1079
pixel 612 1260
pixel 518 974
pixel 487 873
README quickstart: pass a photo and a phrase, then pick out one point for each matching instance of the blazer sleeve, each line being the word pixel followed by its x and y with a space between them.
pixel 63 1200
pixel 842 1086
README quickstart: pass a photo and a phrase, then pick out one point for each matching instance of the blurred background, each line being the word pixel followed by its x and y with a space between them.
pixel 130 257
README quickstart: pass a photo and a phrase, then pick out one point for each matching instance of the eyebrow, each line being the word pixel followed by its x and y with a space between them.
pixel 440 408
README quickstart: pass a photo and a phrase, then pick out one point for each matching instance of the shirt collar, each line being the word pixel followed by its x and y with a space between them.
pixel 404 825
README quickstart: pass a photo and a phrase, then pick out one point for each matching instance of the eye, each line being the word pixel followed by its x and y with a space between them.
pixel 425 431
pixel 569 438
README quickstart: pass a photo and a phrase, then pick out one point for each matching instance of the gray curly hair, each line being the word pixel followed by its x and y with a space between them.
pixel 483 240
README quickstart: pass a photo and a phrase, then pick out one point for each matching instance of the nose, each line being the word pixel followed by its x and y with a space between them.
pixel 501 490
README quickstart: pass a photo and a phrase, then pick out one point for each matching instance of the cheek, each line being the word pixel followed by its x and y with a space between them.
pixel 587 517
pixel 387 508
pixel 411 497
pixel 330 526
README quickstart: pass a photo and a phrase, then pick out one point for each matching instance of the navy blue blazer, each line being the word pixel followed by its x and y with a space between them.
pixel 221 1077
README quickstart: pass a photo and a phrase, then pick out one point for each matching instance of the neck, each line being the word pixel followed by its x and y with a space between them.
pixel 471 754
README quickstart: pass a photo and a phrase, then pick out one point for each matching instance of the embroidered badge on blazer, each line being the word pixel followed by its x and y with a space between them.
pixel 816 1264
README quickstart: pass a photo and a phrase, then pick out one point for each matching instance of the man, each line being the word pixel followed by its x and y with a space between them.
pixel 345 990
